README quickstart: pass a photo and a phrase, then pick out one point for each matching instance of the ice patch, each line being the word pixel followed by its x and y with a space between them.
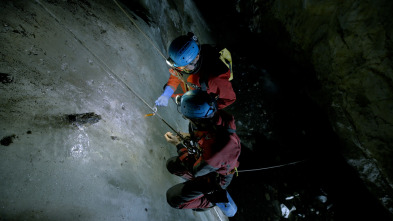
pixel 367 169
pixel 343 126
pixel 323 199
pixel 386 201
pixel 79 148
pixel 285 211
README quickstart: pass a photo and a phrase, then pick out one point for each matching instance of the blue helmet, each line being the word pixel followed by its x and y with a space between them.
pixel 183 50
pixel 196 104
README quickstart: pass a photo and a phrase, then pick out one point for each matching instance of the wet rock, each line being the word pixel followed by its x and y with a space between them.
pixel 83 119
pixel 6 78
pixel 286 211
pixel 350 46
pixel 323 199
pixel 6 141
pixel 115 138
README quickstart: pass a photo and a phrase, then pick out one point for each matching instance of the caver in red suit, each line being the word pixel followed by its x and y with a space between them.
pixel 212 69
pixel 213 168
pixel 194 66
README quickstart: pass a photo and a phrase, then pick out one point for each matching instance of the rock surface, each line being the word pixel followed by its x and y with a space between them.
pixel 74 141
pixel 349 44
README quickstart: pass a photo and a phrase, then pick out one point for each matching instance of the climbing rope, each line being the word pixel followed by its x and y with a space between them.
pixel 272 167
pixel 132 20
pixel 109 70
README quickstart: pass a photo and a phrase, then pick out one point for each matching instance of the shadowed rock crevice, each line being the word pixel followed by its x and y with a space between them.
pixel 83 119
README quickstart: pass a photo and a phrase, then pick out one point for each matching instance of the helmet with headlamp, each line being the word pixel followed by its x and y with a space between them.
pixel 183 51
pixel 197 104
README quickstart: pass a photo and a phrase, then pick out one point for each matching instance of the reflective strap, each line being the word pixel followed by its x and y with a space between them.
pixel 199 160
pixel 225 56
pixel 176 74
pixel 184 154
pixel 233 171
pixel 180 77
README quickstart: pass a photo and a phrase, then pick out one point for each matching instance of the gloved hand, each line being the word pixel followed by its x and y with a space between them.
pixel 162 101
pixel 170 138
pixel 164 98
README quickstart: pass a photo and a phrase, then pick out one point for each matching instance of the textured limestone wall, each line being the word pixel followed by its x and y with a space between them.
pixel 74 142
pixel 350 46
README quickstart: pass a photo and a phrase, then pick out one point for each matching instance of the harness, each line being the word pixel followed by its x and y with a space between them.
pixel 220 129
pixel 180 76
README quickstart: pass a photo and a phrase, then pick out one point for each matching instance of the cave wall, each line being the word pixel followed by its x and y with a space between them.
pixel 350 46
pixel 75 144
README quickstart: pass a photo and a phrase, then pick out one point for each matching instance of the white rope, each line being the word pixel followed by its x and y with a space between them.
pixel 109 70
pixel 266 168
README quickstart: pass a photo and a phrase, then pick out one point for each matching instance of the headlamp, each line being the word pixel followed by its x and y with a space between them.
pixel 171 63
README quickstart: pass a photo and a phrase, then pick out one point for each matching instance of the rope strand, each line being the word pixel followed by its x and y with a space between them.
pixel 272 167
pixel 109 71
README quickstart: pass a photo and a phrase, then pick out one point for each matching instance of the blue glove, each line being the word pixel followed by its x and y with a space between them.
pixel 164 98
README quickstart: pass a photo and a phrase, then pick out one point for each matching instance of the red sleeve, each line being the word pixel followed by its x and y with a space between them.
pixel 221 86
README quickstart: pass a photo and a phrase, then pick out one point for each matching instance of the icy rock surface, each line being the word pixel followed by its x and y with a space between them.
pixel 74 141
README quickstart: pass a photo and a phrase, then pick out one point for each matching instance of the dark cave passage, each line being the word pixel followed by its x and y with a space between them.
pixel 279 123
